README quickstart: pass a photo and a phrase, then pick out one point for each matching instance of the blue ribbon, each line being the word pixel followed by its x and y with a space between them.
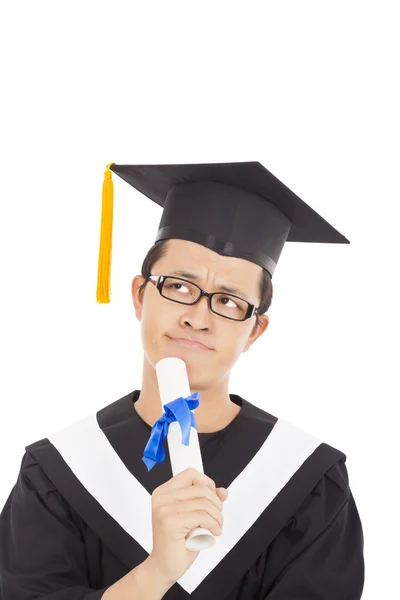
pixel 177 410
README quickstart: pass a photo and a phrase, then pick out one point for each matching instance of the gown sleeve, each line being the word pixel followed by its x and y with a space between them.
pixel 319 553
pixel 42 549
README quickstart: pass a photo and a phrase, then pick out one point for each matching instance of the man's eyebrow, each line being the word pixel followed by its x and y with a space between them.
pixel 225 288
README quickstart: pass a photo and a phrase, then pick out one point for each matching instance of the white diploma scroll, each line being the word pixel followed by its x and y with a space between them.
pixel 173 383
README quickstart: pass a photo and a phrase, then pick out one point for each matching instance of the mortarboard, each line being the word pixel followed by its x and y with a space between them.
pixel 236 209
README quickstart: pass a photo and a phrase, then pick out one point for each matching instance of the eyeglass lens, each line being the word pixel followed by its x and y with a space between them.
pixel 187 293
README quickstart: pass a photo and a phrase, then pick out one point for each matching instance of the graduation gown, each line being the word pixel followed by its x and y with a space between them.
pixel 79 516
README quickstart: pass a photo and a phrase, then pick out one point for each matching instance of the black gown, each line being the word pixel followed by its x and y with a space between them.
pixel 291 532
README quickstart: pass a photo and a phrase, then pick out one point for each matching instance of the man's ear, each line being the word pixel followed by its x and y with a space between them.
pixel 257 330
pixel 137 295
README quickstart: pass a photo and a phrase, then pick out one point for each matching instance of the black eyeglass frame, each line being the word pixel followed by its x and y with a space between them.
pixel 252 309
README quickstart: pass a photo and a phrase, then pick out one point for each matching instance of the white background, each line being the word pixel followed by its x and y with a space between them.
pixel 309 89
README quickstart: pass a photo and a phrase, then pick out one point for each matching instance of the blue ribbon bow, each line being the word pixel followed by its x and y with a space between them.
pixel 177 410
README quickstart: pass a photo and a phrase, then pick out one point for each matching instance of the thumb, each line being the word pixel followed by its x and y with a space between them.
pixel 222 493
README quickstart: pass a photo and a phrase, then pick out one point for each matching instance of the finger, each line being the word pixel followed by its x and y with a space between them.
pixel 200 505
pixel 198 491
pixel 188 477
pixel 199 518
pixel 222 493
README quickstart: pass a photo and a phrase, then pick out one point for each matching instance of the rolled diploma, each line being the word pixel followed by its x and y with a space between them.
pixel 173 383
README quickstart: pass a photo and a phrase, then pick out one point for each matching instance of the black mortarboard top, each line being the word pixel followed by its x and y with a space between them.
pixel 236 209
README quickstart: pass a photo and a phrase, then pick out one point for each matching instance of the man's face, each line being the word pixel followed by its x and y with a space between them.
pixel 162 319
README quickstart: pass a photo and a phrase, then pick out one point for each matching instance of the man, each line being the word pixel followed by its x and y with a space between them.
pixel 87 518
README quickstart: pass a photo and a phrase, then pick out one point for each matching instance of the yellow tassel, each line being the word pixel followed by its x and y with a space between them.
pixel 105 251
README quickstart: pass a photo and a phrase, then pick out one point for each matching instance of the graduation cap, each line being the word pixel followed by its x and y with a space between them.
pixel 236 209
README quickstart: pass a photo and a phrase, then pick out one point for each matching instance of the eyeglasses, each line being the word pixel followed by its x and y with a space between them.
pixel 185 292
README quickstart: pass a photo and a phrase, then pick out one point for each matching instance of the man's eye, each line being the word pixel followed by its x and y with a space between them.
pixel 174 284
pixel 229 300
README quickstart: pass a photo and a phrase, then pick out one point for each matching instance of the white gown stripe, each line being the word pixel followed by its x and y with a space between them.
pixel 88 453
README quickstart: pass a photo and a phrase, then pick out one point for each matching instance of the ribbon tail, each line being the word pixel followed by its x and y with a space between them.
pixel 149 463
pixel 154 450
